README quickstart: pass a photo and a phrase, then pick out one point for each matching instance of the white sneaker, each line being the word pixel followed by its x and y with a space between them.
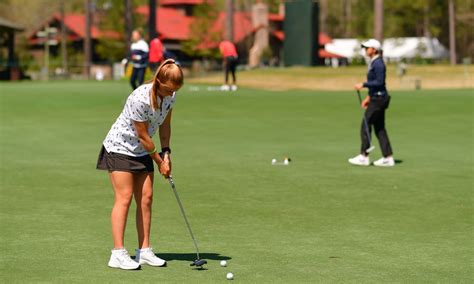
pixel 121 259
pixel 225 88
pixel 385 162
pixel 360 160
pixel 233 88
pixel 147 256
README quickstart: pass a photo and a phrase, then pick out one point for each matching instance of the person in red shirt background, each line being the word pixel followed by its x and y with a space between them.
pixel 229 55
pixel 156 54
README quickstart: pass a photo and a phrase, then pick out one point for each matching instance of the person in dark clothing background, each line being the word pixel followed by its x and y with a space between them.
pixel 375 104
pixel 229 56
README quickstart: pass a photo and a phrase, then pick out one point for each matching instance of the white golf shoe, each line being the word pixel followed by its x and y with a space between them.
pixel 233 88
pixel 360 160
pixel 121 259
pixel 385 162
pixel 147 256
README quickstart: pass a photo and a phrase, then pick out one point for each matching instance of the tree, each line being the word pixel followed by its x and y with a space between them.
pixel 204 17
pixel 113 19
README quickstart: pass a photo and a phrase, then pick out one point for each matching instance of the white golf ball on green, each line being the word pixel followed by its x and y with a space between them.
pixel 230 276
pixel 274 161
pixel 223 263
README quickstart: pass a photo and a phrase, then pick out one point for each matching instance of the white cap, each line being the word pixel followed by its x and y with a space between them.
pixel 375 44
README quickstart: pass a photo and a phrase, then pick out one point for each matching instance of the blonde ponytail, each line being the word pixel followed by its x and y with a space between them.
pixel 163 74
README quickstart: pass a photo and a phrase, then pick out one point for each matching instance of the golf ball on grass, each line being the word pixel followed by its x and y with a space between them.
pixel 274 161
pixel 223 263
pixel 230 276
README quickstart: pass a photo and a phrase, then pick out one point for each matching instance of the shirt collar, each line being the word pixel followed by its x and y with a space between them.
pixel 374 58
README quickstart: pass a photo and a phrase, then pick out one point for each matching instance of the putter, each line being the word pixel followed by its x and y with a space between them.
pixel 371 148
pixel 198 262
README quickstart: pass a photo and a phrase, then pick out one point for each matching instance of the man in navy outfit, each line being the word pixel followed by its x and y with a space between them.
pixel 375 104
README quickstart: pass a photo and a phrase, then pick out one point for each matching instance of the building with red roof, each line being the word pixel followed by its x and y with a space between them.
pixel 175 19
pixel 75 27
pixel 172 24
pixel 9 68
pixel 75 33
pixel 185 6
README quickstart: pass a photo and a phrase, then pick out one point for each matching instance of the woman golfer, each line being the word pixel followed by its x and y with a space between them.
pixel 128 153
pixel 375 104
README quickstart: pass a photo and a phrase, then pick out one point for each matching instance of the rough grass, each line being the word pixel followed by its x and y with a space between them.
pixel 344 78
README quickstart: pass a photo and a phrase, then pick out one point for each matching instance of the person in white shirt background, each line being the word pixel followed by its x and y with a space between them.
pixel 139 52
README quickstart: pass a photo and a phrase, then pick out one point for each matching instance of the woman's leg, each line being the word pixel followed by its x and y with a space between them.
pixel 227 69
pixel 143 192
pixel 233 67
pixel 122 182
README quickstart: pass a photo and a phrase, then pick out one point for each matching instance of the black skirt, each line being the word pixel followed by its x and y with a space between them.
pixel 111 161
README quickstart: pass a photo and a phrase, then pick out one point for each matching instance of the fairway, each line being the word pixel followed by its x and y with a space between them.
pixel 317 220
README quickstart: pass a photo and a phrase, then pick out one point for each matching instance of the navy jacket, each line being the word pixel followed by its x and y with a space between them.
pixel 376 78
pixel 139 52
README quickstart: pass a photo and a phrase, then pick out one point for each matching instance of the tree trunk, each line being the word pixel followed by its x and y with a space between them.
pixel 426 20
pixel 347 18
pixel 452 34
pixel 63 39
pixel 87 40
pixel 229 6
pixel 323 13
pixel 378 20
pixel 128 26
pixel 152 19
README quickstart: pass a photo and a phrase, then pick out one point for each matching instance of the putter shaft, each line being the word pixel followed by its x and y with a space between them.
pixel 366 125
pixel 170 179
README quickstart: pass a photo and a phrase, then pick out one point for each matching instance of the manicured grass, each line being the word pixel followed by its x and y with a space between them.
pixel 317 220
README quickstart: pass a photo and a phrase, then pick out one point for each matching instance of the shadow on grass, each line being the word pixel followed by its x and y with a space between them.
pixel 398 161
pixel 191 256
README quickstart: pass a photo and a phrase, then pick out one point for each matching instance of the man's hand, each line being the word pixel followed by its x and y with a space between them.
pixel 365 102
pixel 359 86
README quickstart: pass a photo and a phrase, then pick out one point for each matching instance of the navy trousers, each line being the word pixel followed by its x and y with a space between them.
pixel 375 115
pixel 138 75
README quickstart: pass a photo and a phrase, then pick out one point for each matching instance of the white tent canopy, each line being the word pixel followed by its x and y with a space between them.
pixel 346 47
pixel 393 48
pixel 411 47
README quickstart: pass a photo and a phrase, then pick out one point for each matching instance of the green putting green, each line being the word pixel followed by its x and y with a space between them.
pixel 317 220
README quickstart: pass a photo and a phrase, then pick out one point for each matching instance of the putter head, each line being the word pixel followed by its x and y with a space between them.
pixel 198 263
pixel 371 148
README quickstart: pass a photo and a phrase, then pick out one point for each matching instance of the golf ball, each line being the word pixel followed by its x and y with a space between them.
pixel 230 276
pixel 223 263
pixel 274 161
